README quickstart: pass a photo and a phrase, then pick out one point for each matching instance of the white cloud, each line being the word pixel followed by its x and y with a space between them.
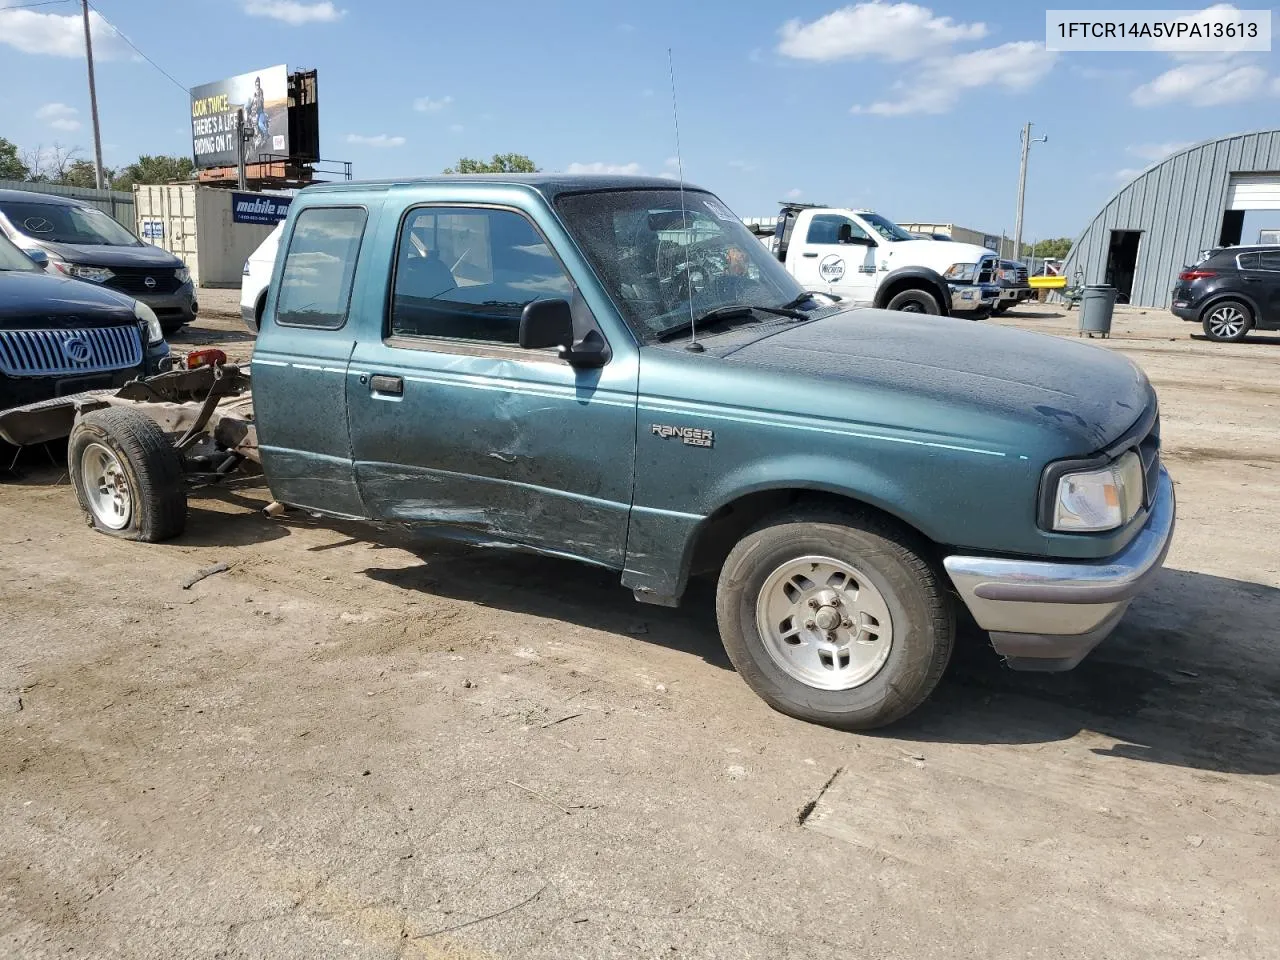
pixel 377 140
pixel 294 12
pixel 60 35
pixel 795 193
pixel 1203 83
pixel 742 165
pixel 427 105
pixel 1128 173
pixel 59 116
pixel 940 84
pixel 1151 152
pixel 625 169
pixel 887 31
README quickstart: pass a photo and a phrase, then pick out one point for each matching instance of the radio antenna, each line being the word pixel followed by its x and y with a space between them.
pixel 693 344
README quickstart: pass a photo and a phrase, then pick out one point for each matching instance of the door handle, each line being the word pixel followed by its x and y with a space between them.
pixel 810 254
pixel 380 383
pixel 1251 279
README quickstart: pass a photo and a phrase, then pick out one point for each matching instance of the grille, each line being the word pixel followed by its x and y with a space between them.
pixel 1021 273
pixel 1149 451
pixel 133 280
pixel 986 270
pixel 44 353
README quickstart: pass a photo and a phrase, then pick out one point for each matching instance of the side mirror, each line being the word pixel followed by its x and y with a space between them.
pixel 546 323
pixel 38 257
pixel 549 323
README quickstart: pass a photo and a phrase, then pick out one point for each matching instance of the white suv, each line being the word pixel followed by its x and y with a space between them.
pixel 257 274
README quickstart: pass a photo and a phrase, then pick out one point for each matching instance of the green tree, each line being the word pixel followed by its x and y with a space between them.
pixel 1053 249
pixel 81 173
pixel 158 169
pixel 11 166
pixel 501 163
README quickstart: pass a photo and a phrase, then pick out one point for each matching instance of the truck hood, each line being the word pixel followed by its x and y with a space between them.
pixel 39 300
pixel 934 254
pixel 1086 395
pixel 102 255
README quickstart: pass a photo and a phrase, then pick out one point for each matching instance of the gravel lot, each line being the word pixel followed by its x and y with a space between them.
pixel 354 746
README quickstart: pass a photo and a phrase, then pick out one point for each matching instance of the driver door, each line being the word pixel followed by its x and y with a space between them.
pixel 846 269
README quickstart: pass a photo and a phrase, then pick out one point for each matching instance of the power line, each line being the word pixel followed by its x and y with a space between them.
pixel 121 35
pixel 27 6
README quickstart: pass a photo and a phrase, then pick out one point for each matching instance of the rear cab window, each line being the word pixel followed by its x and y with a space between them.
pixel 319 269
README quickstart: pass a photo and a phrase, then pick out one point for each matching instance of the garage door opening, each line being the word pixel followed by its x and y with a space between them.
pixel 1122 262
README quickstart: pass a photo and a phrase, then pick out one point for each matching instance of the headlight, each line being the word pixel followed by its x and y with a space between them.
pixel 183 274
pixel 147 317
pixel 961 272
pixel 92 274
pixel 1100 499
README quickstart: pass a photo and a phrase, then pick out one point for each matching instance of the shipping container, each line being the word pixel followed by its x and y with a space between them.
pixel 197 224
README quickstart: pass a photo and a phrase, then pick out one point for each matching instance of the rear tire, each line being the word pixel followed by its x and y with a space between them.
pixel 1227 321
pixel 914 301
pixel 127 476
pixel 835 618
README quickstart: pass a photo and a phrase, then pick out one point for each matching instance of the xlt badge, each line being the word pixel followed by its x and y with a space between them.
pixel 693 436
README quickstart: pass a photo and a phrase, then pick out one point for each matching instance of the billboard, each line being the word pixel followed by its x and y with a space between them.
pixel 264 97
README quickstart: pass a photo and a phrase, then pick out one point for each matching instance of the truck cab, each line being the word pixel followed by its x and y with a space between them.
pixel 868 259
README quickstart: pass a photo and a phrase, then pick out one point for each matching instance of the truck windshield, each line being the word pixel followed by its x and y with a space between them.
pixel 661 261
pixel 11 258
pixel 886 228
pixel 65 223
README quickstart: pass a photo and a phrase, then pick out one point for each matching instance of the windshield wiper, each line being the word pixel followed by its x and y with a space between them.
pixel 807 295
pixel 732 311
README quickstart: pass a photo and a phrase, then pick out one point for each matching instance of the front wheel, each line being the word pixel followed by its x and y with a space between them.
pixel 1227 322
pixel 914 301
pixel 834 618
pixel 1000 307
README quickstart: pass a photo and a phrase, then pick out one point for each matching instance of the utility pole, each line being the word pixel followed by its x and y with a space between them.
pixel 93 98
pixel 242 182
pixel 1022 188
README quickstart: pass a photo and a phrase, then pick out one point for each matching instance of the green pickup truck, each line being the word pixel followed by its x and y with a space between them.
pixel 615 370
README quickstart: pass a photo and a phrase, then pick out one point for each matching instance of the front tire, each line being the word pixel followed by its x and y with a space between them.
pixel 914 301
pixel 1227 321
pixel 1000 308
pixel 835 618
pixel 127 476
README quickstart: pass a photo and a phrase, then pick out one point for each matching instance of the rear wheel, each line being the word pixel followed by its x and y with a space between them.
pixel 1227 321
pixel 835 618
pixel 127 476
pixel 914 301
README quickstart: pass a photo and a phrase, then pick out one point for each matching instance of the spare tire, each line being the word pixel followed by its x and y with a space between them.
pixel 127 475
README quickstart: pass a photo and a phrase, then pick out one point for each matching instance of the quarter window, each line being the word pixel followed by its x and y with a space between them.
pixel 825 228
pixel 315 286
pixel 1269 261
pixel 1247 261
pixel 467 274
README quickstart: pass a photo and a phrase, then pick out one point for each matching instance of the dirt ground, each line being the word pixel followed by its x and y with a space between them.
pixel 354 746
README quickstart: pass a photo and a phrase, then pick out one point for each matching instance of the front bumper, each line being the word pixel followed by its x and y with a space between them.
pixel 966 297
pixel 1046 615
pixel 1016 294
pixel 172 309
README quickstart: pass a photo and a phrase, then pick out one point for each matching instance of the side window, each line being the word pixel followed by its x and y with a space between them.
pixel 315 286
pixel 1246 261
pixel 825 228
pixel 1269 261
pixel 467 274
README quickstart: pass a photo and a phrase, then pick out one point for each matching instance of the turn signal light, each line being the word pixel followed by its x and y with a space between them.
pixel 203 358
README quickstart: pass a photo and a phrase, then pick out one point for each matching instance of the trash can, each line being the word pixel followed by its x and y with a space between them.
pixel 1097 304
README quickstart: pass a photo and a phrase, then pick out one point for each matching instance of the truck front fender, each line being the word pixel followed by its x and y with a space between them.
pixel 918 277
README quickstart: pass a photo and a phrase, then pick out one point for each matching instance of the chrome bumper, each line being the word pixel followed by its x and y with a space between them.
pixel 974 296
pixel 1049 615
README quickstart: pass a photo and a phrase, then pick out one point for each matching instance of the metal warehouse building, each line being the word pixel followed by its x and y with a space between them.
pixel 1188 202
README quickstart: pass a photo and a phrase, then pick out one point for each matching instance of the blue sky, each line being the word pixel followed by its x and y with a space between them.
pixel 912 110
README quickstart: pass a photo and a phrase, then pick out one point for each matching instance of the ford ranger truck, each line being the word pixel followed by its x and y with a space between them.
pixel 866 259
pixel 616 371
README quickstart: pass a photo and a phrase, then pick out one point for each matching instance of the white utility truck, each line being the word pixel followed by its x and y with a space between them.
pixel 865 258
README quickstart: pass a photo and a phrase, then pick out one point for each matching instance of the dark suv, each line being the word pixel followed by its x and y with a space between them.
pixel 1231 291
pixel 83 242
